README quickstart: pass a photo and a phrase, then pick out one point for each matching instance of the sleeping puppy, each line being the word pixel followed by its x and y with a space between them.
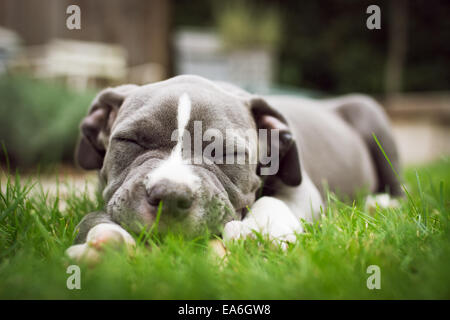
pixel 194 154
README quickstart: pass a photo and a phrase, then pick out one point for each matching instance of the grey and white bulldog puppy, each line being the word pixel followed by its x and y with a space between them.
pixel 136 136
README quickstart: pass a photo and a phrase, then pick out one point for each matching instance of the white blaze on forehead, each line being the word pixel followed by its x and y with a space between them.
pixel 183 116
pixel 175 168
pixel 184 113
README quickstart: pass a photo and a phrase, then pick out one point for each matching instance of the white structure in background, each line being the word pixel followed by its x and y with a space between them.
pixel 202 53
pixel 78 63
pixel 421 123
pixel 146 73
pixel 9 47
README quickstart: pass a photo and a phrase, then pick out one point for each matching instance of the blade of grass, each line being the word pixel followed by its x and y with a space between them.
pixel 396 174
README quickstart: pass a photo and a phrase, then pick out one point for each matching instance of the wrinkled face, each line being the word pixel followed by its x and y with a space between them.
pixel 156 156
pixel 182 152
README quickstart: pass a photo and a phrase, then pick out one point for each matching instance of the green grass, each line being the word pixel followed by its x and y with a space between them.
pixel 411 245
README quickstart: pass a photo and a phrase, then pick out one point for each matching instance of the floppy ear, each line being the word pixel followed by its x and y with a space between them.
pixel 266 117
pixel 96 126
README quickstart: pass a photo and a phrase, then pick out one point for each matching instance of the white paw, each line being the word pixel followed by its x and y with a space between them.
pixel 270 217
pixel 102 234
pixel 382 200
pixel 83 252
pixel 236 230
pixel 217 248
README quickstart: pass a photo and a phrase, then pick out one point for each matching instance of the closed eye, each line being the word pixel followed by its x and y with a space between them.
pixel 235 151
pixel 236 156
pixel 128 140
pixel 229 154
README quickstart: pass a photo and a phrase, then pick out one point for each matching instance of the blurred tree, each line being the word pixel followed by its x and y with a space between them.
pixel 326 45
pixel 398 17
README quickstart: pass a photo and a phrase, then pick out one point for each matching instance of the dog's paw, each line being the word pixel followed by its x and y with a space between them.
pixel 83 253
pixel 103 234
pixel 235 230
pixel 382 201
pixel 217 249
pixel 270 217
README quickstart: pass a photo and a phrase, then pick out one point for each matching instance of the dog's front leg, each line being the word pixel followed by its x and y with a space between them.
pixel 269 216
pixel 94 231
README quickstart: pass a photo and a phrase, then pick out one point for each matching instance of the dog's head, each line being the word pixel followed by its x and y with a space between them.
pixel 186 145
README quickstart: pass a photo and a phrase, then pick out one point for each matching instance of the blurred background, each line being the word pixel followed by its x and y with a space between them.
pixel 49 73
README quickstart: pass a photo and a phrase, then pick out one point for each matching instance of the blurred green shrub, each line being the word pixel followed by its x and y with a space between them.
pixel 243 25
pixel 39 120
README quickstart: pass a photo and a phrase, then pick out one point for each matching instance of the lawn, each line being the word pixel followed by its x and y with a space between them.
pixel 411 245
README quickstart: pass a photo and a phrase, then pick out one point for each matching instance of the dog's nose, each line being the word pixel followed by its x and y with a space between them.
pixel 174 196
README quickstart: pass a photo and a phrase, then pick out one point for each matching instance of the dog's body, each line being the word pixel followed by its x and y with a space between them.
pixel 336 144
pixel 323 144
